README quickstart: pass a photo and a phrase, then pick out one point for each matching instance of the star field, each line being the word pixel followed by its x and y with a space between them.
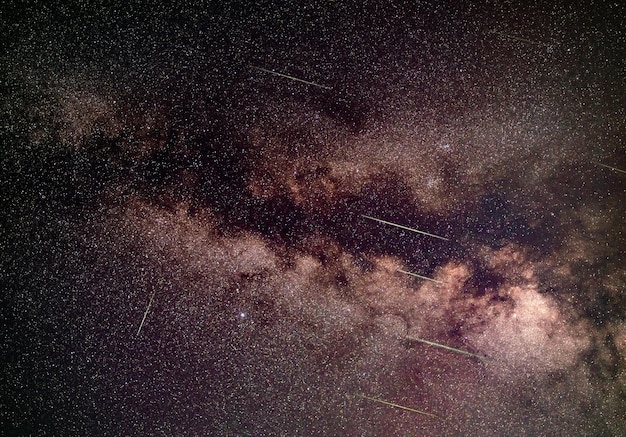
pixel 193 244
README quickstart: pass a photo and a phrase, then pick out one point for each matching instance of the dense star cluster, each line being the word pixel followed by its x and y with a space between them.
pixel 313 219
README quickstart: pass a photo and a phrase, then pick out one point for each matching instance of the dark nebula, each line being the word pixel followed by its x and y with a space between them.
pixel 187 199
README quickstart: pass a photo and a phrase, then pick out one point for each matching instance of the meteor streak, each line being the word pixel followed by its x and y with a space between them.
pixel 286 76
pixel 420 276
pixel 612 168
pixel 402 407
pixel 405 227
pixel 146 313
pixel 443 346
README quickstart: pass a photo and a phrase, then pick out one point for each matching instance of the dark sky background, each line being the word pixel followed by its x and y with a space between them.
pixel 183 244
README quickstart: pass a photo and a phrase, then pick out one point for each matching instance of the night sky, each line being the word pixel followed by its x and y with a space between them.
pixel 189 243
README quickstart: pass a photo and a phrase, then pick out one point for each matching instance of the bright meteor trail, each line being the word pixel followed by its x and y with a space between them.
pixel 405 227
pixel 286 76
pixel 402 407
pixel 612 168
pixel 443 346
pixel 145 314
pixel 420 276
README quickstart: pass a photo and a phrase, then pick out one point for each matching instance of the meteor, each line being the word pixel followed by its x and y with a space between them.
pixel 443 346
pixel 146 313
pixel 405 227
pixel 402 407
pixel 420 276
pixel 612 168
pixel 286 76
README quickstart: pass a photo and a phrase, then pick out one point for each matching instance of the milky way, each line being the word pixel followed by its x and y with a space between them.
pixel 189 246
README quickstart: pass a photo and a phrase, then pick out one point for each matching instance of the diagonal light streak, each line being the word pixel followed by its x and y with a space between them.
pixel 404 227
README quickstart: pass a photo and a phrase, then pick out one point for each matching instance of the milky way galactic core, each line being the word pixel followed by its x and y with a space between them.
pixel 314 219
